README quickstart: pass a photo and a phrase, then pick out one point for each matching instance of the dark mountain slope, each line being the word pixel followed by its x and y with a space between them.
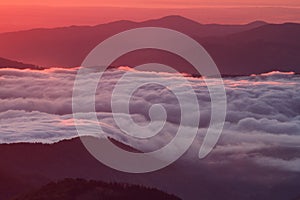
pixel 267 48
pixel 25 167
pixel 68 46
pixel 5 63
pixel 80 189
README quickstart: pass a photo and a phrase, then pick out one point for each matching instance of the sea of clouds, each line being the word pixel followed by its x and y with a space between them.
pixel 262 122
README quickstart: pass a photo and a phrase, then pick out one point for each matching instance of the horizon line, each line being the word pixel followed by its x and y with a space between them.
pixel 141 21
pixel 154 7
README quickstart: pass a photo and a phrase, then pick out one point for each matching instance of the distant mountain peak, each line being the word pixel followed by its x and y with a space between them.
pixel 257 23
pixel 174 19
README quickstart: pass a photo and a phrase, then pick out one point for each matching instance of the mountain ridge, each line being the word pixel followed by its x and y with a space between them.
pixel 176 17
pixel 6 63
pixel 81 189
pixel 233 47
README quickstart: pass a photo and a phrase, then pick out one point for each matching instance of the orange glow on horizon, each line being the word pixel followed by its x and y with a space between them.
pixel 18 15
pixel 155 3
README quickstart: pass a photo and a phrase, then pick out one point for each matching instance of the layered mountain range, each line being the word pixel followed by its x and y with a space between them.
pixel 256 47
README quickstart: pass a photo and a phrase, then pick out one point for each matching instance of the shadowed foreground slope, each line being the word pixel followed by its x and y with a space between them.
pixel 26 167
pixel 81 189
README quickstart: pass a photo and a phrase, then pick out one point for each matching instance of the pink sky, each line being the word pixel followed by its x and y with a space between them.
pixel 19 14
pixel 154 3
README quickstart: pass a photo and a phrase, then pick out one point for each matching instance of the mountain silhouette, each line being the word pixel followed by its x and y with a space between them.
pixel 5 63
pixel 27 167
pixel 272 47
pixel 256 47
pixel 80 189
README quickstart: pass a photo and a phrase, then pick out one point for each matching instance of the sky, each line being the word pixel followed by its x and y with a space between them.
pixel 155 3
pixel 18 15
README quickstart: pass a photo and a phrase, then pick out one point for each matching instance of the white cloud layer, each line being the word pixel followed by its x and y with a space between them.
pixel 263 110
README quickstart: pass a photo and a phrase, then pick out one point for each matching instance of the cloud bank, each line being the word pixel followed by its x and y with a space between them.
pixel 263 111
